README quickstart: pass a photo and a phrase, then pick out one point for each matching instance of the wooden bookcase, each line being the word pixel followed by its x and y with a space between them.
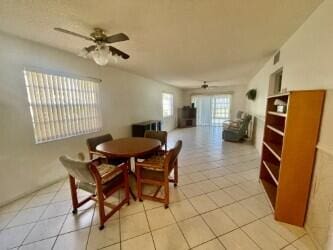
pixel 288 153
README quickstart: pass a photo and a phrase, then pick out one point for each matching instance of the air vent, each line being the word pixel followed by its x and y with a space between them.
pixel 277 58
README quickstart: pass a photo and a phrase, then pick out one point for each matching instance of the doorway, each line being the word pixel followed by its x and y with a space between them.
pixel 275 82
pixel 212 110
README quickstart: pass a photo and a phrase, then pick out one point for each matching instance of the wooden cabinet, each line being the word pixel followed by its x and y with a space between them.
pixel 187 117
pixel 288 152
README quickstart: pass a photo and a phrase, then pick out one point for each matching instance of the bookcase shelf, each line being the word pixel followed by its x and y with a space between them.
pixel 277 114
pixel 274 148
pixel 287 161
pixel 278 95
pixel 276 129
pixel 273 170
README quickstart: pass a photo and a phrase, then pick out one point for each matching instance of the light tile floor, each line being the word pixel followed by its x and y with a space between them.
pixel 218 204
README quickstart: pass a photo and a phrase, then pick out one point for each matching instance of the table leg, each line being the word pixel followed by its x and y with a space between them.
pixel 130 172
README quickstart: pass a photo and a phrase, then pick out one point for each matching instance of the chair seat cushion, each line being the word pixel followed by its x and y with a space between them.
pixel 104 171
pixel 155 162
pixel 232 124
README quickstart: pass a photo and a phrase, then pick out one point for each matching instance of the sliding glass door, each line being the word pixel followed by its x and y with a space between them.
pixel 212 110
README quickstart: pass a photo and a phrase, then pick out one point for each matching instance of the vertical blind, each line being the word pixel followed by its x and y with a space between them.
pixel 62 106
pixel 167 104
pixel 212 110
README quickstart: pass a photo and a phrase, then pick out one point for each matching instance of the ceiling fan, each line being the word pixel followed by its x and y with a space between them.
pixel 206 86
pixel 101 51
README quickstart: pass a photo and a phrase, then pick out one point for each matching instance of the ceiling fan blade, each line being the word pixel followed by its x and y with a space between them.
pixel 116 38
pixel 74 34
pixel 118 52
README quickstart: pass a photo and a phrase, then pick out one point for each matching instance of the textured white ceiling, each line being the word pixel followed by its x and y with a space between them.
pixel 179 42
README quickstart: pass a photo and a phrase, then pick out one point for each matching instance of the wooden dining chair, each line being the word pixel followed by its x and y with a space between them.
pixel 156 171
pixel 99 179
pixel 93 142
pixel 162 136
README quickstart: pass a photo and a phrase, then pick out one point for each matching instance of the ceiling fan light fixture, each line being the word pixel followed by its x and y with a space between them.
pixel 101 55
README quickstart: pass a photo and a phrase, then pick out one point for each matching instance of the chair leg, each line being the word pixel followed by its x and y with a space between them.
pixel 75 201
pixel 126 187
pixel 138 183
pixel 176 173
pixel 166 195
pixel 101 209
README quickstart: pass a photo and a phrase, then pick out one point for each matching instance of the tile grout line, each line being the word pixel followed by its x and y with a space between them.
pixel 53 245
pixel 177 224
pixel 150 231
pixel 17 212
pixel 37 221
pixel 90 226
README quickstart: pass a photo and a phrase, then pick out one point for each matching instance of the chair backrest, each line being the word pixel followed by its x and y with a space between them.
pixel 172 155
pixel 162 136
pixel 78 169
pixel 93 142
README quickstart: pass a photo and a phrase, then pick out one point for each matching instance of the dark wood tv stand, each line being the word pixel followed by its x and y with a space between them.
pixel 138 129
pixel 187 117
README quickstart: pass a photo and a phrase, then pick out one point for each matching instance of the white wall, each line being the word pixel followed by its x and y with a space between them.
pixel 126 98
pixel 306 59
pixel 237 91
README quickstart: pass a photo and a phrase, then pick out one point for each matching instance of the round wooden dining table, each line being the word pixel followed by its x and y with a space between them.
pixel 129 147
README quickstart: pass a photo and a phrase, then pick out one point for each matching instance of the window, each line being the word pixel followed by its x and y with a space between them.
pixel 212 110
pixel 167 104
pixel 62 106
pixel 220 109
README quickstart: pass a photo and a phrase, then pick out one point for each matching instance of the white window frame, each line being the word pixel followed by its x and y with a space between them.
pixel 167 97
pixel 62 106
pixel 217 113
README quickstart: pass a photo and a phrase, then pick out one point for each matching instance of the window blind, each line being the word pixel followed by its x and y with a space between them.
pixel 62 106
pixel 167 103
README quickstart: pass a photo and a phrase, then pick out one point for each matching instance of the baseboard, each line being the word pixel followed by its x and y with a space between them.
pixel 324 148
pixel 4 203
pixel 308 231
pixel 327 150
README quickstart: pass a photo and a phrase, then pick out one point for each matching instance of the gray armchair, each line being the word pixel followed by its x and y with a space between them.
pixel 236 131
